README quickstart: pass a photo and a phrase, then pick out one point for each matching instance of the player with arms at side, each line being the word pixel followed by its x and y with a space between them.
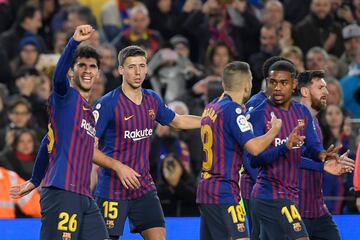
pixel 225 132
pixel 126 118
pixel 69 211
pixel 274 196
pixel 313 210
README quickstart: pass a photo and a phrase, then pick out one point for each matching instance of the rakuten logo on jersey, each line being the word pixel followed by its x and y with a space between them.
pixel 89 129
pixel 137 135
pixel 279 141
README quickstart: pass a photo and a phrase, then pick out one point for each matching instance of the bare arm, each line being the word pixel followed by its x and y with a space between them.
pixel 186 122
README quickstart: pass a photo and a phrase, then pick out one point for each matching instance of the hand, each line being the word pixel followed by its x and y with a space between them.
pixel 340 166
pixel 172 171
pixel 21 190
pixel 295 140
pixel 239 5
pixel 330 41
pixel 83 32
pixel 358 203
pixel 331 152
pixel 127 176
pixel 275 122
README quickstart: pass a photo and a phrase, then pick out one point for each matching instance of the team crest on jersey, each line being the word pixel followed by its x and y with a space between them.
pixel 242 123
pixel 297 227
pixel 96 115
pixel 152 113
pixel 110 224
pixel 241 227
pixel 66 236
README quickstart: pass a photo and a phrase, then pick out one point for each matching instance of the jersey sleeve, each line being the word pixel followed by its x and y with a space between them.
pixel 238 125
pixel 312 141
pixel 164 115
pixel 253 172
pixel 60 81
pixel 307 163
pixel 102 114
pixel 41 163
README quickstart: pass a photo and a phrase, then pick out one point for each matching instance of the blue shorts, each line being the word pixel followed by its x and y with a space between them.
pixel 67 215
pixel 322 228
pixel 222 222
pixel 277 219
pixel 144 213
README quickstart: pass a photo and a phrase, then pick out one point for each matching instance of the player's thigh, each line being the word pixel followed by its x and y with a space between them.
pixel 114 214
pixel 61 214
pixel 280 219
pixel 204 228
pixel 145 213
pixel 93 227
pixel 325 229
pixel 224 221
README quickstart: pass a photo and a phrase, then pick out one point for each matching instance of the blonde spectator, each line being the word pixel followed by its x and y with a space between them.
pixel 295 55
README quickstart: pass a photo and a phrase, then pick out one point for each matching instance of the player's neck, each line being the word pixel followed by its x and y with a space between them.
pixel 308 105
pixel 134 94
pixel 237 96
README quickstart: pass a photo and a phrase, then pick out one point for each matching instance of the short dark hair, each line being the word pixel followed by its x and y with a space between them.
pixel 86 52
pixel 26 11
pixel 283 65
pixel 305 78
pixel 229 73
pixel 17 100
pixel 131 51
pixel 270 61
pixel 27 71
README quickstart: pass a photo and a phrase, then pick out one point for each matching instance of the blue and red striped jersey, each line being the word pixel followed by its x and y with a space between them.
pixel 71 132
pixel 224 131
pixel 279 178
pixel 311 199
pixel 124 130
pixel 249 174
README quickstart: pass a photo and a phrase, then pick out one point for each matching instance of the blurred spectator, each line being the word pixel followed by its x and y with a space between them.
pixel 335 92
pixel 177 188
pixel 332 123
pixel 4 92
pixel 269 41
pixel 350 85
pixel 115 16
pixel 48 9
pixel 19 115
pixel 30 50
pixel 332 66
pixel 108 65
pixel 319 29
pixel 163 19
pixel 296 10
pixel 316 59
pixel 138 33
pixel 6 15
pixel 43 89
pixel 28 23
pixel 351 35
pixel 295 55
pixel 78 15
pixel 26 81
pixel 58 20
pixel 342 12
pixel 5 71
pixel 28 205
pixel 20 155
pixel 60 40
pixel 274 16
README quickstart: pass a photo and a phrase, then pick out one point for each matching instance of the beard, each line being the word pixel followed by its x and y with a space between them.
pixel 318 104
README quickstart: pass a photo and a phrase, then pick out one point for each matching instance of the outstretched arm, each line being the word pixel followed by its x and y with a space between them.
pixel 60 80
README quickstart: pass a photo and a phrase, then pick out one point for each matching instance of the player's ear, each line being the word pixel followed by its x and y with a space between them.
pixel 121 70
pixel 304 91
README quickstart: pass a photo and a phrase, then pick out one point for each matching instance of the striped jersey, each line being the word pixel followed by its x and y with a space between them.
pixel 124 130
pixel 249 174
pixel 224 131
pixel 311 199
pixel 279 179
pixel 71 132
